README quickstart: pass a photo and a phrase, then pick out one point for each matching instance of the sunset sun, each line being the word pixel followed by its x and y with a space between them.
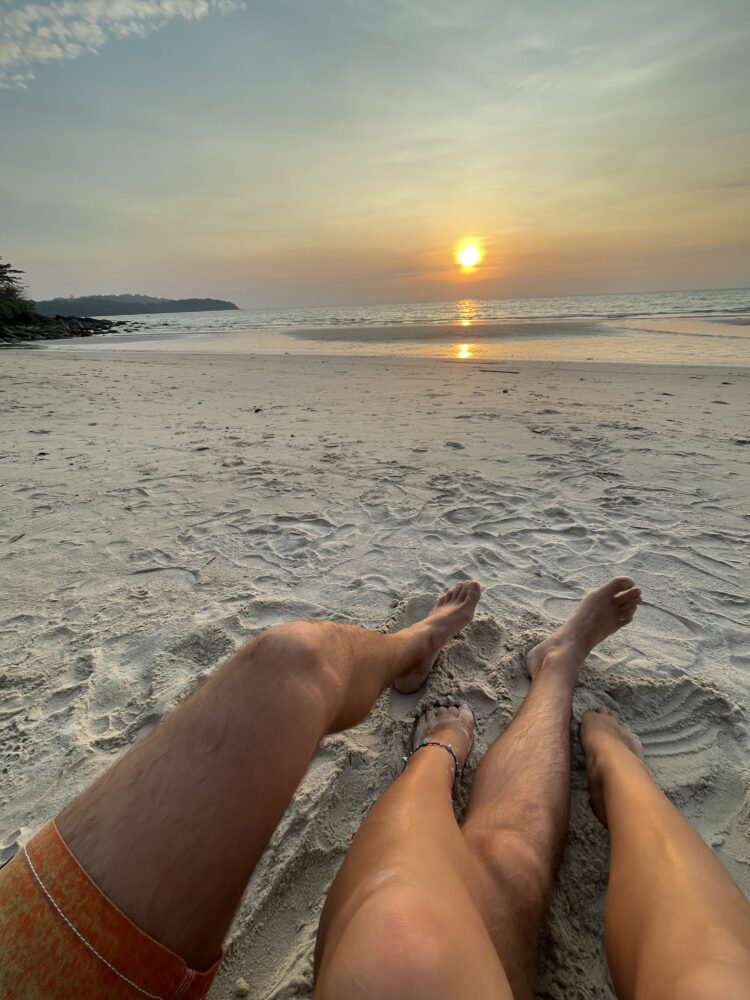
pixel 468 255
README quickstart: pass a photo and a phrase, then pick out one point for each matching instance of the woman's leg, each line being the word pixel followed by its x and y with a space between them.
pixel 517 817
pixel 422 903
pixel 676 927
pixel 404 917
pixel 172 832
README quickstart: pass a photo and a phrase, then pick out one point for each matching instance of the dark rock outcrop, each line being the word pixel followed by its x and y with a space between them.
pixel 31 326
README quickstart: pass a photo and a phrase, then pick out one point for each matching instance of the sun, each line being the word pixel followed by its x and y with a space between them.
pixel 468 255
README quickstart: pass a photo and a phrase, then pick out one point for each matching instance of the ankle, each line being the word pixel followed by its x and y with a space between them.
pixel 560 662
pixel 571 643
pixel 606 754
pixel 421 640
pixel 432 760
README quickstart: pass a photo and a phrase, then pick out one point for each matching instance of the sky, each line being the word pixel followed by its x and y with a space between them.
pixel 323 152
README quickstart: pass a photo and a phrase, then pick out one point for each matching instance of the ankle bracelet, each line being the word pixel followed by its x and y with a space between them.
pixel 445 746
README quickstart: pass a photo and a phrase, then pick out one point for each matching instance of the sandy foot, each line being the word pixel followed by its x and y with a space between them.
pixel 453 610
pixel 598 728
pixel 600 613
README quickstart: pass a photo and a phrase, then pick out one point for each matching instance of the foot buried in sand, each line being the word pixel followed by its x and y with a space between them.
pixel 600 613
pixel 601 732
pixel 452 725
pixel 453 611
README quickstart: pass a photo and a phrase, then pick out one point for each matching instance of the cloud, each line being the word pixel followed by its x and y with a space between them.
pixel 33 33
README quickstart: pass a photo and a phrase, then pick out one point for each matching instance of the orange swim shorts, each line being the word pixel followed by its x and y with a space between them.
pixel 62 939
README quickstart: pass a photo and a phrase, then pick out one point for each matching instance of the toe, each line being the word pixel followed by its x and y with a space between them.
pixel 465 712
pixel 620 584
pixel 629 596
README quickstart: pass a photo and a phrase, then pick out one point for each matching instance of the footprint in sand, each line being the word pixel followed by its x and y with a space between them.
pixel 694 742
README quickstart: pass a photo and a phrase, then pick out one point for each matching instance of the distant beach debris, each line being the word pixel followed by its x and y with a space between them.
pixel 126 305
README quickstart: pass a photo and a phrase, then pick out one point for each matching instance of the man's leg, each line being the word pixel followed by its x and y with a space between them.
pixel 517 816
pixel 676 927
pixel 172 832
pixel 404 919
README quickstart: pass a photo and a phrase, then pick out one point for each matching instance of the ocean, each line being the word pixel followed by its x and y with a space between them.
pixel 688 327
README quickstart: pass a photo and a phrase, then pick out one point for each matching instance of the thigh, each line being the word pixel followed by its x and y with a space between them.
pixel 173 831
pixel 407 914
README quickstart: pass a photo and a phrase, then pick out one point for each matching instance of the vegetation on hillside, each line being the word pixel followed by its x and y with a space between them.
pixel 13 302
pixel 126 305
pixel 14 305
pixel 20 321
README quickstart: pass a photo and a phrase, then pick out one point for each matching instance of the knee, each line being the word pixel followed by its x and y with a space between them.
pixel 516 867
pixel 414 941
pixel 709 981
pixel 302 643
pixel 400 946
pixel 322 660
pixel 299 652
pixel 712 978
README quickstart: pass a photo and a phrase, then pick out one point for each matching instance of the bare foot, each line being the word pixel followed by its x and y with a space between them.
pixel 600 613
pixel 453 610
pixel 452 725
pixel 599 728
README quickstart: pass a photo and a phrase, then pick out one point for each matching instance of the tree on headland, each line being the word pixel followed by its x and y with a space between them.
pixel 20 320
pixel 13 301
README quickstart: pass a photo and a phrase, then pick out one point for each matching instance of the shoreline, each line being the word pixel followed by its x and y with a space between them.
pixel 116 352
pixel 652 341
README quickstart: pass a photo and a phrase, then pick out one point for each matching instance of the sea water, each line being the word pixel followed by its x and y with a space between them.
pixel 693 327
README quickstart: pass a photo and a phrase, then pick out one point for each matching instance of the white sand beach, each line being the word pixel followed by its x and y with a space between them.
pixel 160 508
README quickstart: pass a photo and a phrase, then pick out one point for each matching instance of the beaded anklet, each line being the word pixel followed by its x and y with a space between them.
pixel 445 746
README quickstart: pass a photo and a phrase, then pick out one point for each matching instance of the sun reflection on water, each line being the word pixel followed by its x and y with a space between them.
pixel 467 311
pixel 464 350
